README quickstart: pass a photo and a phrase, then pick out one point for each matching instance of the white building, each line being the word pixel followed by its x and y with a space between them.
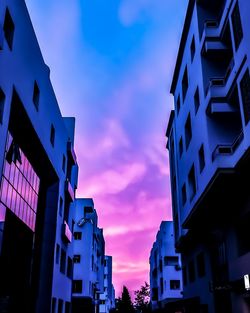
pixel 165 269
pixel 89 247
pixel 38 173
pixel 208 141
pixel 107 297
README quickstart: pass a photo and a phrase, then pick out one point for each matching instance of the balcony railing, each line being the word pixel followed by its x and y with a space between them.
pixel 69 190
pixel 71 152
pixel 66 233
pixel 221 81
pixel 228 149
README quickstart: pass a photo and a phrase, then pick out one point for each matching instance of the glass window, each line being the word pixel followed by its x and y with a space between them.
pixel 8 28
pixel 237 26
pixel 52 135
pixel 77 286
pixel 185 84
pixel 36 95
pixel 18 192
pixel 2 101
pixel 188 131
pixel 192 49
pixel 175 284
pixel 77 235
pixel 245 94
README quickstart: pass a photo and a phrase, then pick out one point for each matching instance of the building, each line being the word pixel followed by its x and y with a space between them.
pixel 165 269
pixel 38 173
pixel 107 297
pixel 208 141
pixel 89 251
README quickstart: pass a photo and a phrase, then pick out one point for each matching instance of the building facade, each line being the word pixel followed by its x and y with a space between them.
pixel 165 269
pixel 106 298
pixel 38 172
pixel 89 252
pixel 208 142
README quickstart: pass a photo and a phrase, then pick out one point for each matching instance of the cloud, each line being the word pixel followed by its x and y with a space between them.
pixel 112 181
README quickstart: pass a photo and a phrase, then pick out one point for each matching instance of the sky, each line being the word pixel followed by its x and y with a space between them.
pixel 111 67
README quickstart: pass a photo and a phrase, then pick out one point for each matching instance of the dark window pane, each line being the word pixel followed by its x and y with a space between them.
pixel 245 93
pixel 185 84
pixel 8 28
pixel 237 26
pixel 2 101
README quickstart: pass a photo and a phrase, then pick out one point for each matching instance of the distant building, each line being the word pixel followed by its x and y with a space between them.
pixel 38 175
pixel 208 142
pixel 89 249
pixel 107 297
pixel 165 269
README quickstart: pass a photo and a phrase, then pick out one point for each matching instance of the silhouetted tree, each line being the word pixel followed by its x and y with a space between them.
pixel 124 303
pixel 142 298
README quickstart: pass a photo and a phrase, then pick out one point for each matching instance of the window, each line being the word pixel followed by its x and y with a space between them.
pixel 184 194
pixel 191 271
pixel 175 284
pixel 201 158
pixel 245 93
pixel 64 163
pixel 184 84
pixel 61 206
pixel 77 286
pixel 63 261
pixel 181 147
pixel 70 268
pixel 171 260
pixel 161 285
pixel 52 135
pixel 77 235
pixel 67 307
pixel 237 26
pixel 53 305
pixel 60 306
pixel 192 49
pixel 88 209
pixel 197 100
pixel 57 253
pixel 8 28
pixel 201 269
pixel 36 95
pixel 178 104
pixel 77 258
pixel 192 183
pixel 188 131
pixel 184 275
pixel 2 101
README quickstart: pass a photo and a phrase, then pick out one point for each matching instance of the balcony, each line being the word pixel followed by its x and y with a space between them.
pixel 71 152
pixel 66 233
pixel 228 149
pixel 69 191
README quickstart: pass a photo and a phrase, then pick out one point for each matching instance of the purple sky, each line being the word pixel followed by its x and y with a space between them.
pixel 111 67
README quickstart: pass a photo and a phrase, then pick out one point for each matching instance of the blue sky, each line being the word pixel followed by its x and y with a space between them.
pixel 111 67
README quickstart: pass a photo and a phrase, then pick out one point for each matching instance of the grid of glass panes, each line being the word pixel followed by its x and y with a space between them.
pixel 20 188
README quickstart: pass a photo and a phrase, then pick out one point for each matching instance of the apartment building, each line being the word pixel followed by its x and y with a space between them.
pixel 89 252
pixel 208 142
pixel 107 297
pixel 165 269
pixel 38 174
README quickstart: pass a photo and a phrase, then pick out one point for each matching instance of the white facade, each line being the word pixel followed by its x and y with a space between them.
pixel 165 268
pixel 107 297
pixel 89 247
pixel 30 116
pixel 208 141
